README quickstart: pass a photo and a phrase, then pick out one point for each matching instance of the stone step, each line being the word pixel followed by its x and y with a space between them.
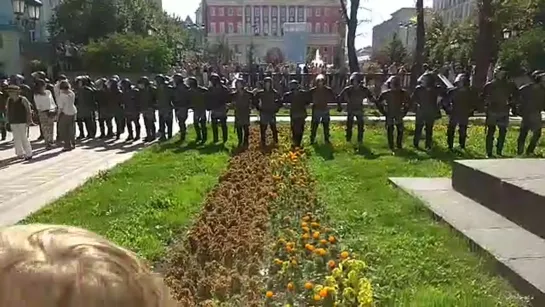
pixel 519 254
pixel 514 188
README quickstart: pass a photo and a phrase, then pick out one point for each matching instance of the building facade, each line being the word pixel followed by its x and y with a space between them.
pixel 260 23
pixel 401 24
pixel 16 40
pixel 455 10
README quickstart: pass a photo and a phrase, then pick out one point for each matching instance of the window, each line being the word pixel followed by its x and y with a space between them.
pixel 221 11
pixel 212 27
pixel 239 11
pixel 222 27
pixel 257 11
pixel 230 11
pixel 283 12
pixel 274 11
pixel 309 12
pixel 318 12
pixel 326 12
pixel 335 28
pixel 239 27
pixel 266 28
pixel 317 28
pixel 248 10
pixel 230 28
pixel 274 29
pixel 292 11
pixel 326 28
pixel 212 11
pixel 249 28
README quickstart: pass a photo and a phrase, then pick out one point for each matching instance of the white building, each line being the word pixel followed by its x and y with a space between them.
pixel 401 24
pixel 455 10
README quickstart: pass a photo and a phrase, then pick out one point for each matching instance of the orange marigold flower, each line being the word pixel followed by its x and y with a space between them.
pixel 317 297
pixel 323 241
pixel 315 224
pixel 323 292
pixel 269 294
pixel 316 235
pixel 332 239
pixel 290 244
pixel 331 264
pixel 309 285
pixel 320 251
pixel 309 247
pixel 290 286
pixel 306 236
pixel 305 229
pixel 304 224
pixel 344 255
pixel 306 218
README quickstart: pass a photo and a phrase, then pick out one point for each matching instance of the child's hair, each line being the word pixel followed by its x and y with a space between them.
pixel 63 266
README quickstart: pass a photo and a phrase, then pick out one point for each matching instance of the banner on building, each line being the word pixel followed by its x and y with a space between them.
pixel 295 42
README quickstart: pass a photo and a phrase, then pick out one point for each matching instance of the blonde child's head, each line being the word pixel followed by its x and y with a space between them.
pixel 62 266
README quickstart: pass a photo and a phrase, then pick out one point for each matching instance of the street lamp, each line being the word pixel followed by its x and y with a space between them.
pixel 32 7
pixel 507 33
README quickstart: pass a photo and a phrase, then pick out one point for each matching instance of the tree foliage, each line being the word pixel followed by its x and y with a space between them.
pixel 454 43
pixel 219 52
pixel 395 51
pixel 525 52
pixel 128 53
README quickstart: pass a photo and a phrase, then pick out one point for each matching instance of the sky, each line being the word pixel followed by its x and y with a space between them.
pixel 380 11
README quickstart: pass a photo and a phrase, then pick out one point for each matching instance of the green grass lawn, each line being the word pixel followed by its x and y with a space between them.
pixel 144 203
pixel 416 261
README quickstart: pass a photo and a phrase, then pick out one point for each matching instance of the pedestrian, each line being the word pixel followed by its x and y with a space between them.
pixel 67 116
pixel 47 110
pixel 19 116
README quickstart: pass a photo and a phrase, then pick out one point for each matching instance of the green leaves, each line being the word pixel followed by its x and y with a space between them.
pixel 395 51
pixel 526 51
pixel 128 53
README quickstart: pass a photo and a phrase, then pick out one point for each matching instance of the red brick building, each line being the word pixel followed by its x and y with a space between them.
pixel 261 23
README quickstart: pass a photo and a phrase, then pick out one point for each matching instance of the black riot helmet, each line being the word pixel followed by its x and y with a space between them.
pixel 267 80
pixel 355 78
pixel 538 75
pixel 215 79
pixel 427 79
pixel 294 84
pixel 192 82
pixel 160 79
pixel 178 79
pixel 394 82
pixel 126 83
pixel 113 84
pixel 143 80
pixel 461 80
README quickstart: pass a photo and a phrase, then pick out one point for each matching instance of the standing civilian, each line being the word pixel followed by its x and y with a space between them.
pixel 67 116
pixel 19 119
pixel 45 105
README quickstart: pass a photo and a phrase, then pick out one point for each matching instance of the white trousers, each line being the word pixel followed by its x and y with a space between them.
pixel 20 140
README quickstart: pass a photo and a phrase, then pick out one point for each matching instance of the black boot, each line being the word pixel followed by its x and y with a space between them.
pixel 429 135
pixel 390 136
pixel 399 139
pixel 417 135
pixel 263 134
pixel 501 140
pixel 489 143
pixel 137 131
pixel 536 135
pixel 183 133
pixel 240 135
pixel 521 140
pixel 349 127
pixel 129 128
pixel 274 133
pixel 450 136
pixel 462 131
pixel 313 130
pixel 326 132
pixel 246 141
pixel 224 132
pixel 215 130
pixel 204 131
pixel 360 132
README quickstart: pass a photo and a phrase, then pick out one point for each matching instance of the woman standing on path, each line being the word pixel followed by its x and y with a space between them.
pixel 19 118
pixel 67 116
pixel 46 107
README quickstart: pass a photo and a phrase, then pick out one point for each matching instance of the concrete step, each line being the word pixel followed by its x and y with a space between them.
pixel 513 188
pixel 520 254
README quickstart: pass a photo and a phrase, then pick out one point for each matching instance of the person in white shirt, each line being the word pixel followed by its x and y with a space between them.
pixel 45 104
pixel 67 116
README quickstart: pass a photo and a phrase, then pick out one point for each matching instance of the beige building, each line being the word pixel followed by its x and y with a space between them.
pixel 260 23
pixel 401 24
pixel 455 10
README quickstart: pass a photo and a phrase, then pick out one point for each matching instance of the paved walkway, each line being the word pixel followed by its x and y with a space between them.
pixel 28 186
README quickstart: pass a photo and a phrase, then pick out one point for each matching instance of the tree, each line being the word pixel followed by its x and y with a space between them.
pixel 420 42
pixel 128 53
pixel 352 22
pixel 526 51
pixel 220 52
pixel 485 40
pixel 395 51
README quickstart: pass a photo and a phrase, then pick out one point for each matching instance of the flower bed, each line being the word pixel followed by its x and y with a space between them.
pixel 263 238
pixel 308 264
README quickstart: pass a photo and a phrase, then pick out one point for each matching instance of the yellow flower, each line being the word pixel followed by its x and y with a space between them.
pixel 345 255
pixel 315 224
pixel 317 297
pixel 309 285
pixel 290 286
pixel 305 229
pixel 278 261
pixel 316 235
pixel 269 294
pixel 309 247
pixel 320 251
pixel 306 236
